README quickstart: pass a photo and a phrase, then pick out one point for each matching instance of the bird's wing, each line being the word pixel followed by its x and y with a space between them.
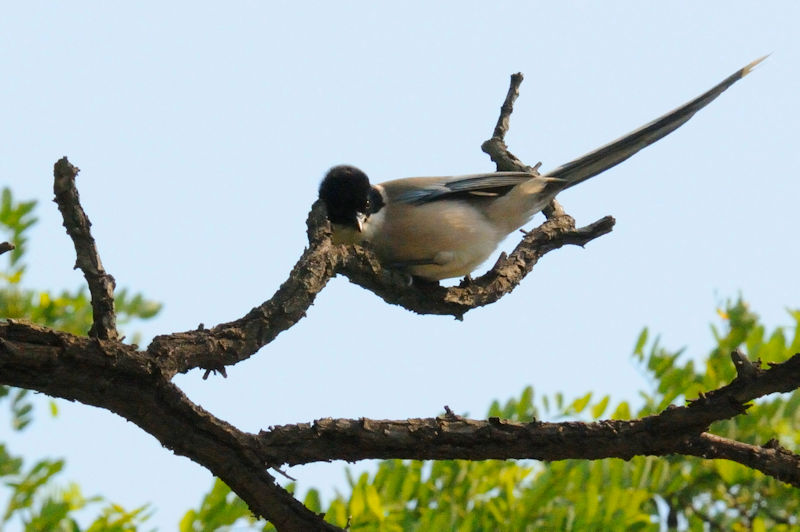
pixel 419 190
pixel 612 154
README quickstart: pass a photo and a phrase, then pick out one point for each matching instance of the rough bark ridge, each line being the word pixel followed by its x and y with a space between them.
pixel 99 370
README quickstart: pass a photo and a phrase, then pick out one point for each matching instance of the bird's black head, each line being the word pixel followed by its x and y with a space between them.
pixel 346 192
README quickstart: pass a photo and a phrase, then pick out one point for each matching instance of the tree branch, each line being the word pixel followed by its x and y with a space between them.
pixel 229 343
pixel 675 430
pixel 6 247
pixel 118 378
pixel 507 108
pixel 101 284
pixel 771 459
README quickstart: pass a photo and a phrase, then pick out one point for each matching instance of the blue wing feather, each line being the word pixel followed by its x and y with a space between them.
pixel 427 189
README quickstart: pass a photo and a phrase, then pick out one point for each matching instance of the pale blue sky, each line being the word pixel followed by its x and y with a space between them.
pixel 202 131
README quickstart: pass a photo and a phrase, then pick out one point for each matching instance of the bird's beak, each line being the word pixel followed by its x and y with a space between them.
pixel 360 219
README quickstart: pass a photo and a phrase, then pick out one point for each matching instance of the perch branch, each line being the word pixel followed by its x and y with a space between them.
pixel 229 343
pixel 363 269
pixel 5 247
pixel 101 284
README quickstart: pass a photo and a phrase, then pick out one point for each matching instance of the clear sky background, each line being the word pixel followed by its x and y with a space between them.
pixel 202 131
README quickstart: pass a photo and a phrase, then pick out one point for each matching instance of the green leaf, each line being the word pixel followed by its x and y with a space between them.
pixel 9 465
pixel 27 487
pixel 622 411
pixel 525 409
pixel 730 472
pixel 219 508
pixel 357 503
pixel 373 501
pixel 598 409
pixel 638 349
pixel 312 501
pixel 579 404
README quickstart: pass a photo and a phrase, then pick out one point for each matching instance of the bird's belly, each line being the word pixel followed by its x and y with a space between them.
pixel 434 241
pixel 460 265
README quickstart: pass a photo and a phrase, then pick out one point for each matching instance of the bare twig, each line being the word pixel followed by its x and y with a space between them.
pixel 101 284
pixel 5 247
pixel 507 108
pixel 498 151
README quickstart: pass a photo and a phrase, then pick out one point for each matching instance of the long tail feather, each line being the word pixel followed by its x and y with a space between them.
pixel 615 152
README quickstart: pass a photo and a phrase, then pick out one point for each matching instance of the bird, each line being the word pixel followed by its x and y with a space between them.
pixel 436 228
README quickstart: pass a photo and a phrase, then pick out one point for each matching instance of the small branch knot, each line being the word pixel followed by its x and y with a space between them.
pixel 744 368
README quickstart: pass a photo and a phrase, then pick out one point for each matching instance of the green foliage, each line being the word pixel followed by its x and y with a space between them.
pixel 15 218
pixel 69 311
pixel 34 501
pixel 220 509
pixel 39 506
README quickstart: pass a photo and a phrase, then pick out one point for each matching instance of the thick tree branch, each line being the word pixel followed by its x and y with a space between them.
pixel 121 379
pixel 101 284
pixel 771 459
pixel 675 430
